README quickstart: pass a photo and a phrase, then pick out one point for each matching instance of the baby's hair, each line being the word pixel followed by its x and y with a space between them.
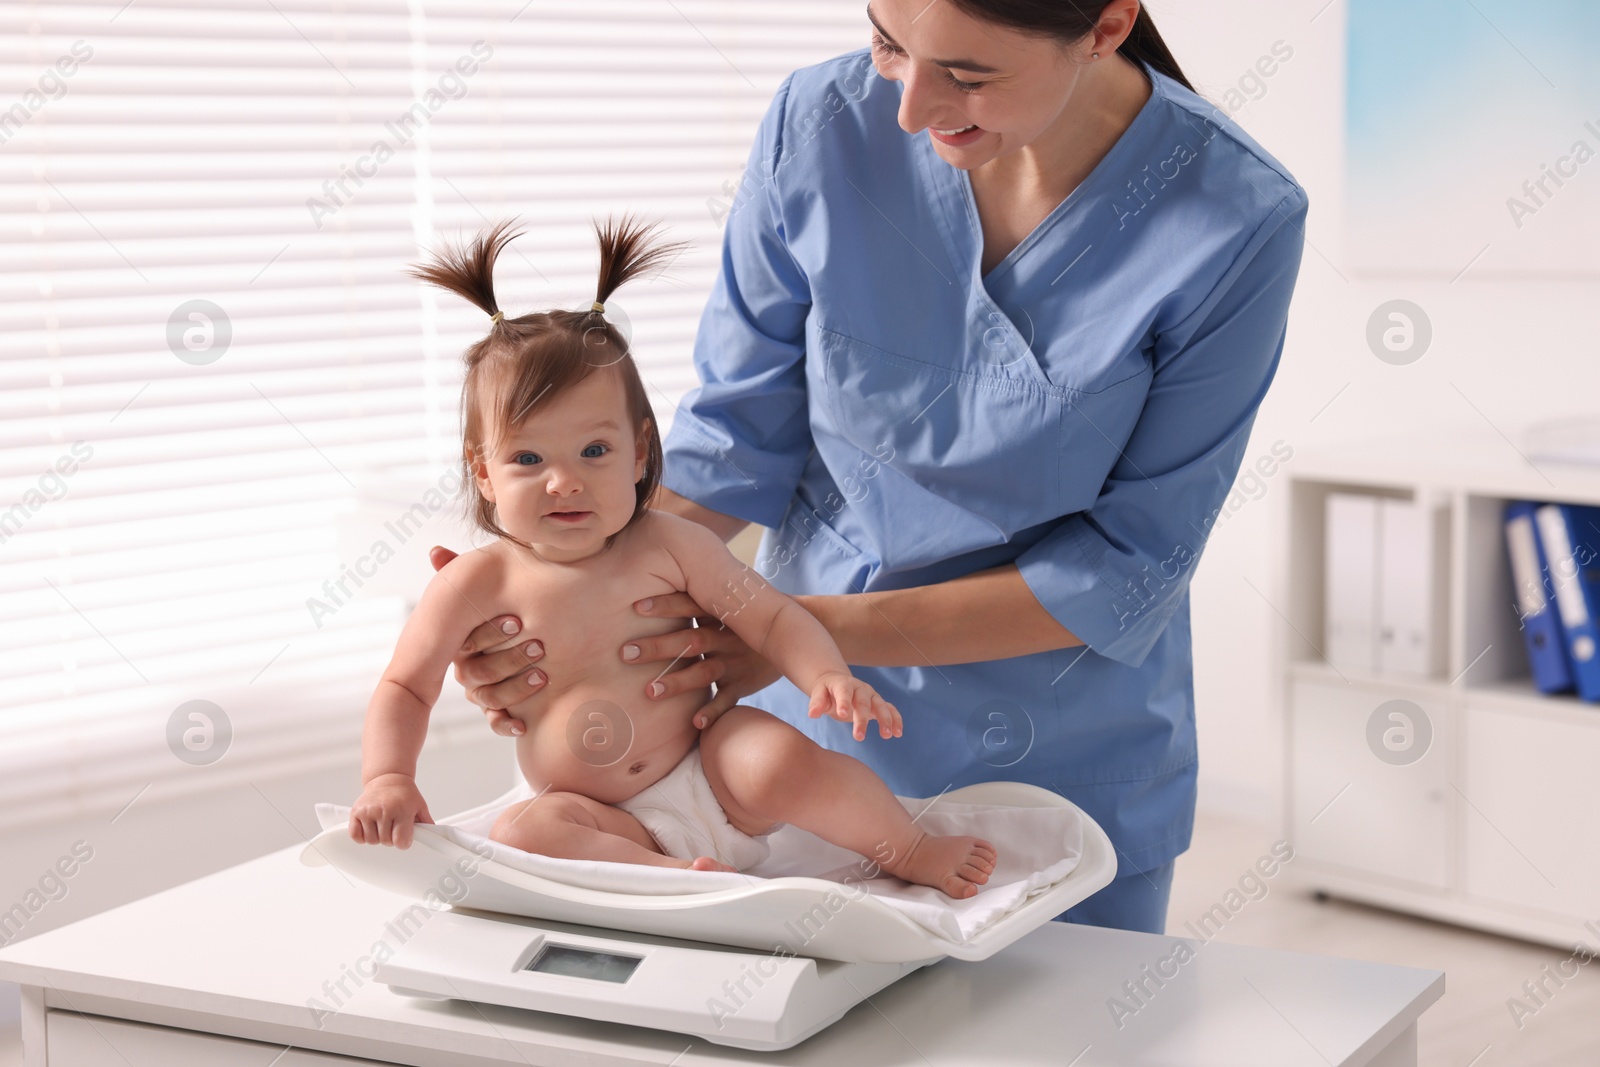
pixel 526 362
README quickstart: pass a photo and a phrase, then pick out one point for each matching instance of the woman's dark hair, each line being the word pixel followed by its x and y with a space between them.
pixel 527 362
pixel 1069 20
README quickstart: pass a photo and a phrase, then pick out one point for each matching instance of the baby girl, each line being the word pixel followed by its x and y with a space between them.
pixel 562 457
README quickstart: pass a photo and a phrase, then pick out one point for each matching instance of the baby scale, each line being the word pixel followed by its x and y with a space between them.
pixel 762 966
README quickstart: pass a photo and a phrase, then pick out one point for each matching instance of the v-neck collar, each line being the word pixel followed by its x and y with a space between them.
pixel 970 226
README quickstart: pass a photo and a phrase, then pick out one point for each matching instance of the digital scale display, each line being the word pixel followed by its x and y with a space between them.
pixel 584 963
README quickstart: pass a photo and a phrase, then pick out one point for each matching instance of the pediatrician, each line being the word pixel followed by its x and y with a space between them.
pixel 991 330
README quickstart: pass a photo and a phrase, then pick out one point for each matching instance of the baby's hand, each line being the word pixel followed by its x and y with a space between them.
pixel 386 810
pixel 847 698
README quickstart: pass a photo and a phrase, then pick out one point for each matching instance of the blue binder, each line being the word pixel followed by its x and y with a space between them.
pixel 1530 574
pixel 1571 536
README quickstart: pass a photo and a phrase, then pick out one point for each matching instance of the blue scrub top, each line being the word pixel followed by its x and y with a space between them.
pixel 898 418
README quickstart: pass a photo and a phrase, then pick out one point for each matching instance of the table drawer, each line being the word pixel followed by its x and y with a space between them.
pixel 75 1040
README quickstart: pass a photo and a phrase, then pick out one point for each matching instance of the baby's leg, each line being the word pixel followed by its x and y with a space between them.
pixel 572 826
pixel 764 771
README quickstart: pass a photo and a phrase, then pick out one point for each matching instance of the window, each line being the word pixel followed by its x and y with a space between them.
pixel 212 357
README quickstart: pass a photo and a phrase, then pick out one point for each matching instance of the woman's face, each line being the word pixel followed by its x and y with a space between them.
pixel 958 72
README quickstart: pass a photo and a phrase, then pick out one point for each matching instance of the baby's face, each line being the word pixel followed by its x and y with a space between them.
pixel 563 480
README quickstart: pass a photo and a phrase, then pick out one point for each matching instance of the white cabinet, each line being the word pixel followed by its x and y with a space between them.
pixel 1531 824
pixel 1495 821
pixel 1385 817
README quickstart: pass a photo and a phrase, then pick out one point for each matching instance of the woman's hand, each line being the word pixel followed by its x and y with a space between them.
pixel 493 665
pixel 713 653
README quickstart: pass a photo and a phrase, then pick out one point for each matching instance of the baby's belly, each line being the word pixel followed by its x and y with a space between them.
pixel 605 739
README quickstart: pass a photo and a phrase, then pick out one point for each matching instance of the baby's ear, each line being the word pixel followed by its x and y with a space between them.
pixel 641 449
pixel 480 472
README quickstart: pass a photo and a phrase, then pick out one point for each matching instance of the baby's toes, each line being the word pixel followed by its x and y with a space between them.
pixel 959 887
pixel 973 873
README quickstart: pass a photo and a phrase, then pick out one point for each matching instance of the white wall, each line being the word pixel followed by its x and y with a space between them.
pixel 1495 340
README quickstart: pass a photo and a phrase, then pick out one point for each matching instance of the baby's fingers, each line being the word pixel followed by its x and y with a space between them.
pixel 861 717
pixel 821 704
pixel 888 717
pixel 845 703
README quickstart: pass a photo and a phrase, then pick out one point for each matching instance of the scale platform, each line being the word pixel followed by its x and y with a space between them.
pixel 722 994
pixel 761 965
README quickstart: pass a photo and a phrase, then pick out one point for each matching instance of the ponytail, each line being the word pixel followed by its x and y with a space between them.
pixel 1145 43
pixel 468 270
pixel 626 252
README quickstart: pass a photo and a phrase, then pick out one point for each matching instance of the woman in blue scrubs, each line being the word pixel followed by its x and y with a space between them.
pixel 999 299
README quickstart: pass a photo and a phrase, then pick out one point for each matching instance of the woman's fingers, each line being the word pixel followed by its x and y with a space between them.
pixel 513 690
pixel 438 556
pixel 502 723
pixel 714 710
pixel 502 631
pixel 499 679
pixel 696 675
pixel 669 606
pixel 676 644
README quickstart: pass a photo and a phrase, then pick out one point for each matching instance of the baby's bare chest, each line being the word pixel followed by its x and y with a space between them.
pixel 583 616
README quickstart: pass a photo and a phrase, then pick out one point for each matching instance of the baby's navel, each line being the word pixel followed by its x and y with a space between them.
pixel 637 767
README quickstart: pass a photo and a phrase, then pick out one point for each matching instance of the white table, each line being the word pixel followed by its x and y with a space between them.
pixel 220 972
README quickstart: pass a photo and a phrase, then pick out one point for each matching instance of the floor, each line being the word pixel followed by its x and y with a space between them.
pixel 1471 1027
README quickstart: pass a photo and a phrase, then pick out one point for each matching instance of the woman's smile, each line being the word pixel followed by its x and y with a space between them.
pixel 959 137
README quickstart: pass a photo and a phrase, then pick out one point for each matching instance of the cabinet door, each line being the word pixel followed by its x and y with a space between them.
pixel 1531 814
pixel 1371 780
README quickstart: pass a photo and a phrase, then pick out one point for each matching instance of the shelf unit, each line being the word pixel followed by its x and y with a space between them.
pixel 1495 824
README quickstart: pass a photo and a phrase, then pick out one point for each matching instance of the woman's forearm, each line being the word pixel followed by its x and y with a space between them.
pixel 724 526
pixel 989 614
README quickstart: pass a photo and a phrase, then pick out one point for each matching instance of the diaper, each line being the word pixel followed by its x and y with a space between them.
pixel 682 814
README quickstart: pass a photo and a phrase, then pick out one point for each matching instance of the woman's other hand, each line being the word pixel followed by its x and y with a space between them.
pixel 493 665
pixel 713 653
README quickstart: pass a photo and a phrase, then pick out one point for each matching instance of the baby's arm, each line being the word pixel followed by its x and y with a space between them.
pixel 777 627
pixel 397 715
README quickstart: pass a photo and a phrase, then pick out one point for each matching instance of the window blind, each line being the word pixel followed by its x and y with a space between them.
pixel 211 351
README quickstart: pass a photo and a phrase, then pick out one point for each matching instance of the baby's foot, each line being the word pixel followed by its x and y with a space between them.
pixel 706 863
pixel 956 866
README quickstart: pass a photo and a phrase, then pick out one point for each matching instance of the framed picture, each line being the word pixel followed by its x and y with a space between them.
pixel 1473 138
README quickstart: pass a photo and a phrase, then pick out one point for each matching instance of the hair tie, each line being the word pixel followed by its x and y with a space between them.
pixel 496 317
pixel 597 306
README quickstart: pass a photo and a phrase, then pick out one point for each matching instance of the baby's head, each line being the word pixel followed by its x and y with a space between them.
pixel 560 447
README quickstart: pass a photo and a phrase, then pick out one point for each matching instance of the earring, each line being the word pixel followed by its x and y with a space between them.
pixel 1097 55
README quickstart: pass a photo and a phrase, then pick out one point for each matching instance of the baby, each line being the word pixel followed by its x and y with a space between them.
pixel 562 457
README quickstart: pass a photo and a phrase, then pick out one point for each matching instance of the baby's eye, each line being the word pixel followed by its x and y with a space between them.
pixel 527 459
pixel 589 452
